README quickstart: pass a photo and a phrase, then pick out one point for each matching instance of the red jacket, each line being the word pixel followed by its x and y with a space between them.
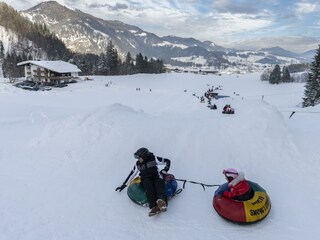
pixel 237 187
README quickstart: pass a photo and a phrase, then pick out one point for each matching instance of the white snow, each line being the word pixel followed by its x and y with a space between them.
pixel 252 58
pixel 63 153
pixel 45 19
pixel 57 66
pixel 169 44
pixel 194 59
pixel 143 34
pixel 7 37
pixel 132 44
pixel 97 32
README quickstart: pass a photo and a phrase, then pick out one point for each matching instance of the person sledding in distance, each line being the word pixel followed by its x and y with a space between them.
pixel 228 109
pixel 239 188
pixel 151 178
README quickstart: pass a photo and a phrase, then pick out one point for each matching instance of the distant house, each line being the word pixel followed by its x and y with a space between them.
pixel 54 72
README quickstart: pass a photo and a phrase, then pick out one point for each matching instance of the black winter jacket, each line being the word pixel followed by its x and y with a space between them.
pixel 148 168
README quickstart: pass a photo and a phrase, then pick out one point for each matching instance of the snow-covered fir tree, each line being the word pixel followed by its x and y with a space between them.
pixel 100 68
pixel 140 63
pixel 265 75
pixel 128 66
pixel 112 59
pixel 275 76
pixel 312 87
pixel 1 58
pixel 285 75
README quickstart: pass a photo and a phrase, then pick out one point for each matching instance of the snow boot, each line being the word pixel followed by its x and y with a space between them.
pixel 162 205
pixel 154 211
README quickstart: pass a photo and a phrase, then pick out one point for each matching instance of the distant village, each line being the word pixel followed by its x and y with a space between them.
pixel 44 75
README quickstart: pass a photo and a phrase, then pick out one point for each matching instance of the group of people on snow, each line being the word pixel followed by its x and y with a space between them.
pixel 148 166
pixel 228 109
pixel 210 94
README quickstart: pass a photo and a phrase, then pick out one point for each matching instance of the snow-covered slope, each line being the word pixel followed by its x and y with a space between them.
pixel 11 42
pixel 7 38
pixel 64 152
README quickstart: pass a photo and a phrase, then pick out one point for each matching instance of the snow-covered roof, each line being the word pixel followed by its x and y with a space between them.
pixel 55 66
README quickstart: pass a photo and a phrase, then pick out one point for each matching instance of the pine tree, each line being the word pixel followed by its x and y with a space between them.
pixel 310 92
pixel 285 75
pixel 101 68
pixel 146 65
pixel 128 64
pixel 160 66
pixel 265 75
pixel 140 63
pixel 312 87
pixel 1 58
pixel 1 50
pixel 10 69
pixel 112 59
pixel 87 63
pixel 275 75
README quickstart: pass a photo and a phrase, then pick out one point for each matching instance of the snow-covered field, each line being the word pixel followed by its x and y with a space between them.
pixel 63 153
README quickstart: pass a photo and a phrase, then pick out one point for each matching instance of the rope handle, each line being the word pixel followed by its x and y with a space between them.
pixel 193 182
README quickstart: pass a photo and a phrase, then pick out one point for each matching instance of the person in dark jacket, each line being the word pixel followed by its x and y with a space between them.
pixel 239 188
pixel 228 109
pixel 151 178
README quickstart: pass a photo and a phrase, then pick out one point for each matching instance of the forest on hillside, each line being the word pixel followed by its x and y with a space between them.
pixel 47 44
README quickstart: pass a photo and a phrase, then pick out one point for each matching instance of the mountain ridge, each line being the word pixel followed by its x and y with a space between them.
pixel 85 33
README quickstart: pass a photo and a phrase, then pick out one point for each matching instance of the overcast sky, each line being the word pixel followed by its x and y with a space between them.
pixel 291 24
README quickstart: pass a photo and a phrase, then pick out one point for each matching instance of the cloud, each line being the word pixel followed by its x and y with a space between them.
pixel 117 6
pixel 306 7
pixel 22 4
pixel 225 22
pixel 297 44
pixel 241 6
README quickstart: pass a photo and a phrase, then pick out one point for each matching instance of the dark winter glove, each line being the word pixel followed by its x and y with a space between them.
pixel 123 186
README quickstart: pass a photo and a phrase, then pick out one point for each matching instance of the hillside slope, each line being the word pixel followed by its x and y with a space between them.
pixel 67 150
pixel 29 39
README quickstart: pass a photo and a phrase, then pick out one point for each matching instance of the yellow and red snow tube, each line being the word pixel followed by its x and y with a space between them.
pixel 250 211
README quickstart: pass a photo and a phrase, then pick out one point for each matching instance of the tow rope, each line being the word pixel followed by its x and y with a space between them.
pixel 199 183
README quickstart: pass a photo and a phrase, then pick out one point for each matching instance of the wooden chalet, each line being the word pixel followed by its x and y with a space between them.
pixel 50 72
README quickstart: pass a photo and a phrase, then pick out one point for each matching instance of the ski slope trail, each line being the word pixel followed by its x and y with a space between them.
pixel 68 149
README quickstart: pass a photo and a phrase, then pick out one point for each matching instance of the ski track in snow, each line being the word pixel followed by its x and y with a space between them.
pixel 65 151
